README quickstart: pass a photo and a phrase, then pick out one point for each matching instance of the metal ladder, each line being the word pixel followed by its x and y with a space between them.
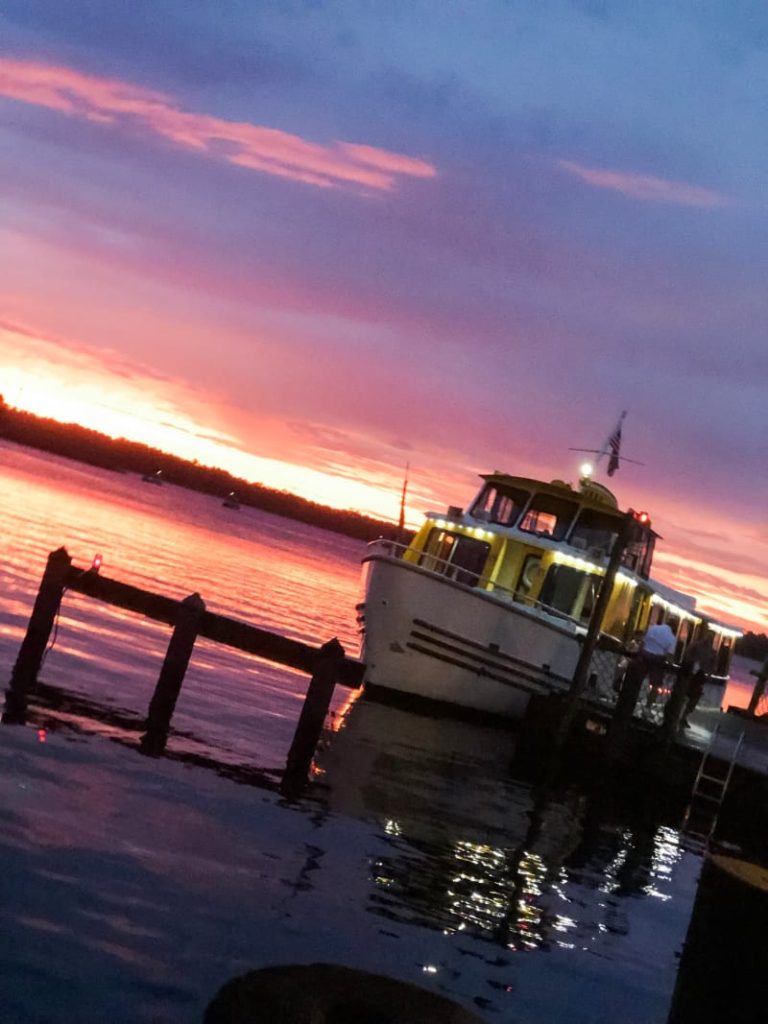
pixel 708 793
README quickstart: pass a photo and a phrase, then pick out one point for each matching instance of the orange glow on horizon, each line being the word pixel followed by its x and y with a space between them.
pixel 720 597
pixel 80 387
pixel 101 391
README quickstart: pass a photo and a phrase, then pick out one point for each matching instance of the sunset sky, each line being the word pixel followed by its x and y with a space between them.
pixel 315 241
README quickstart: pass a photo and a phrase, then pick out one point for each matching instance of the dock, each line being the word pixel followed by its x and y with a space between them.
pixel 327 665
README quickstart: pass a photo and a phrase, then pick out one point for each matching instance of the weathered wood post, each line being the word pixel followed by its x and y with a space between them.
pixel 33 646
pixel 757 693
pixel 163 702
pixel 673 709
pixel 580 674
pixel 724 963
pixel 327 667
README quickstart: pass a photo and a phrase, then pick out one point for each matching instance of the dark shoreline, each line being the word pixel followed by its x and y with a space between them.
pixel 71 441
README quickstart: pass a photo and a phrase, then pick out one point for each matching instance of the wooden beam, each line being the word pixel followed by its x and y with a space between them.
pixel 262 643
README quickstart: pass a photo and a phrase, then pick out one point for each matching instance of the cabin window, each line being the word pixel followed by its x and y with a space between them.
pixel 656 614
pixel 455 555
pixel 501 505
pixel 639 551
pixel 548 516
pixel 595 531
pixel 723 659
pixel 682 630
pixel 570 591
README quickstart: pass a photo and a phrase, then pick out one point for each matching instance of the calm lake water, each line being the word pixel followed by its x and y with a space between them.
pixel 133 887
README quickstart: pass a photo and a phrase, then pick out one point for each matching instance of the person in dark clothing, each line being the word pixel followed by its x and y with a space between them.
pixel 698 663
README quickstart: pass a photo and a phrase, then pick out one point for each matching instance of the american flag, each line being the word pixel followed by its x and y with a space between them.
pixel 614 444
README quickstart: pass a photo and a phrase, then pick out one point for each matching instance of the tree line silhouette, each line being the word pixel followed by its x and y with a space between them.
pixel 75 442
pixel 753 645
pixel 120 455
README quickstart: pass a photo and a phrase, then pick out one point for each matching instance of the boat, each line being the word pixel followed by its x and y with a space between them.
pixel 489 605
pixel 154 478
pixel 231 501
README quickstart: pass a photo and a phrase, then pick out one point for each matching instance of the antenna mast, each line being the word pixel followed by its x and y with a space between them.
pixel 401 520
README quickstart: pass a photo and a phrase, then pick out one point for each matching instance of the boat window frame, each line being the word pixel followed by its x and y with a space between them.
pixel 499 492
pixel 578 601
pixel 594 549
pixel 723 655
pixel 638 553
pixel 432 561
pixel 562 527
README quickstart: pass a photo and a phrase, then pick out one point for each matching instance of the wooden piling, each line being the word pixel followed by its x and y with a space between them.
pixel 328 663
pixel 757 692
pixel 618 728
pixel 580 674
pixel 35 642
pixel 723 967
pixel 673 709
pixel 163 702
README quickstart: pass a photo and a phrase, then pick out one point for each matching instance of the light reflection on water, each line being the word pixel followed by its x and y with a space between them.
pixel 474 852
pixel 416 851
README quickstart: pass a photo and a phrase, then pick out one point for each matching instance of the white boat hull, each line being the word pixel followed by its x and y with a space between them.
pixel 428 636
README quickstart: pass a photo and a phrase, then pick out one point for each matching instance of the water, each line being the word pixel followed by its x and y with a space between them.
pixel 255 567
pixel 134 887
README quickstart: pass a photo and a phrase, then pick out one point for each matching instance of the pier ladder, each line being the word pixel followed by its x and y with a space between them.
pixel 709 789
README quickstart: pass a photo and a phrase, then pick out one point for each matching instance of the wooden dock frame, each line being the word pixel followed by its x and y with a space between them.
pixel 326 665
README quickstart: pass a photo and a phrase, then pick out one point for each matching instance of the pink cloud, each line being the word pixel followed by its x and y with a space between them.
pixel 645 187
pixel 256 147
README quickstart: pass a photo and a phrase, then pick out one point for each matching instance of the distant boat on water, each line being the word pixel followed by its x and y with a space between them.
pixel 153 478
pixel 231 501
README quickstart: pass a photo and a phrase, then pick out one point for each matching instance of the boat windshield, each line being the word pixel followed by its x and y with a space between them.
pixel 500 504
pixel 595 531
pixel 549 516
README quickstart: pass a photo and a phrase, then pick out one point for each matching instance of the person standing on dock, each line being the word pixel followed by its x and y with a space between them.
pixel 651 660
pixel 698 663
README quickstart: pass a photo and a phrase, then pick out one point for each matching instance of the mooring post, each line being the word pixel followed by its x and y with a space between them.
pixel 757 693
pixel 34 644
pixel 580 674
pixel 673 709
pixel 316 703
pixel 623 712
pixel 724 961
pixel 163 702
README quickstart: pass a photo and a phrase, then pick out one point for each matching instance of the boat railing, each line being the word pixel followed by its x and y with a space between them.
pixel 457 573
pixel 607 669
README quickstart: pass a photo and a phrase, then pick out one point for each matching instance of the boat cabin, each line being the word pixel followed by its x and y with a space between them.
pixel 546 546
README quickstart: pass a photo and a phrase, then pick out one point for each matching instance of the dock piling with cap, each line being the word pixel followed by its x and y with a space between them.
pixel 35 642
pixel 175 665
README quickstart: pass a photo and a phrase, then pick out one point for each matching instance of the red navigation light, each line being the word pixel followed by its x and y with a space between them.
pixel 643 517
pixel 96 563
